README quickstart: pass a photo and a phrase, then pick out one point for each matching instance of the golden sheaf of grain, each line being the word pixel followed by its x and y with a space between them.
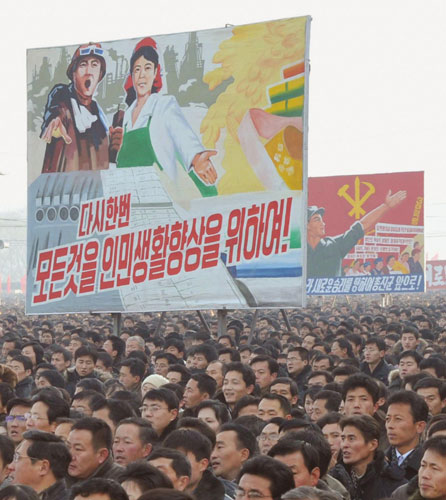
pixel 254 56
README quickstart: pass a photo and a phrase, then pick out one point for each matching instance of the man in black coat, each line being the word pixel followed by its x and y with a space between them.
pixel 50 451
pixel 362 468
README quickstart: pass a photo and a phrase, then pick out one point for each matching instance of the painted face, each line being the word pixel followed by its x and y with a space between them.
pixel 86 76
pixel 316 226
pixel 143 75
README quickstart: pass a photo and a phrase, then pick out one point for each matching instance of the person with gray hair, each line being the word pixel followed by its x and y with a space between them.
pixel 308 493
pixel 134 343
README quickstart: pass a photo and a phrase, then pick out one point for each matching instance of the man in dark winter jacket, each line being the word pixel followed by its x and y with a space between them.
pixel 374 363
pixel 23 368
pixel 431 483
pixel 197 448
pixel 362 468
pixel 50 453
pixel 298 368
pixel 90 444
pixel 406 419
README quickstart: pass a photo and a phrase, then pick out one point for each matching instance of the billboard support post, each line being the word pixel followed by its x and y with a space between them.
pixel 117 317
pixel 285 318
pixel 252 327
pixel 160 323
pixel 204 322
pixel 221 316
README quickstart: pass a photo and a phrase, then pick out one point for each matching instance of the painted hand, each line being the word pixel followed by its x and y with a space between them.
pixel 392 200
pixel 116 135
pixel 56 129
pixel 204 168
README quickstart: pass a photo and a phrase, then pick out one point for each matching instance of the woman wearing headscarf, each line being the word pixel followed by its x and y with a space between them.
pixel 155 129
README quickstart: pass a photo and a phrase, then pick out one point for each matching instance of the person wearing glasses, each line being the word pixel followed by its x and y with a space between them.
pixel 74 126
pixel 264 478
pixel 160 408
pixel 41 461
pixel 17 408
pixel 46 409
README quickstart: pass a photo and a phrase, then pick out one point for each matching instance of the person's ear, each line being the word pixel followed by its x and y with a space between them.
pixel 373 444
pixel 103 454
pixel 174 413
pixel 44 467
pixel 244 454
pixel 250 388
pixel 314 476
pixel 147 449
pixel 203 464
pixel 183 483
pixel 420 426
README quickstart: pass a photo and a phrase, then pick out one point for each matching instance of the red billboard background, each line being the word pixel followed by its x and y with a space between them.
pixel 398 232
pixel 435 275
pixel 323 192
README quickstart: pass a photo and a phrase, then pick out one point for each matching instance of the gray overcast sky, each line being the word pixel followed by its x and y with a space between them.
pixel 378 74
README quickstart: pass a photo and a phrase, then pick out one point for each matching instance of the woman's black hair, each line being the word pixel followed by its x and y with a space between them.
pixel 150 54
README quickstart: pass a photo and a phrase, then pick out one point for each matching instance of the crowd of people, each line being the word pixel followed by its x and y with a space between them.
pixel 336 401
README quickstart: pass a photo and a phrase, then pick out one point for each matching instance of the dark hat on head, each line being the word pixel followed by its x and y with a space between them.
pixel 313 210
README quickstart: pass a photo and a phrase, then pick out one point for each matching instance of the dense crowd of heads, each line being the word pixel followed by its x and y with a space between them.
pixel 339 400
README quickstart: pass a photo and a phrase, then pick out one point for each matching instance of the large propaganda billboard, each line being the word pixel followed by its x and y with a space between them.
pixel 435 275
pixel 365 234
pixel 169 172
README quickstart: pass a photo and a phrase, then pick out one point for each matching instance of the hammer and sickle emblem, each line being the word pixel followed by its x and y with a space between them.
pixel 358 200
